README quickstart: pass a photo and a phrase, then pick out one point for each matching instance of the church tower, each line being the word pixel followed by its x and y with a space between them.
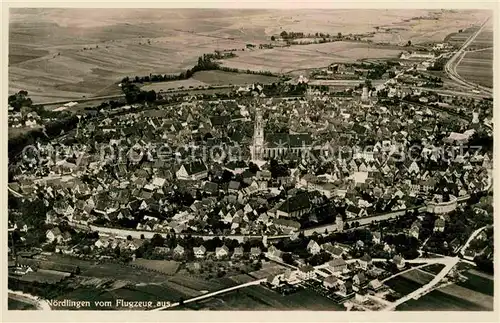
pixel 340 223
pixel 365 94
pixel 475 117
pixel 258 137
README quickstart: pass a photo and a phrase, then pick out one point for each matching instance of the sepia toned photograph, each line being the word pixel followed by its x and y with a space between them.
pixel 250 159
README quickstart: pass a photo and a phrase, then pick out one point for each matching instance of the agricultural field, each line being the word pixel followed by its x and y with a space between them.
pixel 171 85
pixel 111 270
pixel 262 298
pixel 16 305
pixel 129 293
pixel 457 38
pixel 229 78
pixel 477 67
pixel 65 54
pixel 485 38
pixel 403 285
pixel 478 283
pixel 435 29
pixel 450 298
pixel 268 269
pixel 475 294
pixel 283 60
pixel 166 267
pixel 210 78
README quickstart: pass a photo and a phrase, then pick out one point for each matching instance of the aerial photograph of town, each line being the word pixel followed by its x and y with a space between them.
pixel 250 159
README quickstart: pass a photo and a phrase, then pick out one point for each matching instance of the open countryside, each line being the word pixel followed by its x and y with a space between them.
pixel 69 54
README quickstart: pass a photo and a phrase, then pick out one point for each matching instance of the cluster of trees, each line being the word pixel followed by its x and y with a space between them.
pixel 377 70
pixel 297 35
pixel 236 70
pixel 33 214
pixel 206 62
pixel 438 65
pixel 19 100
pixel 133 94
pixel 53 129
pixel 484 263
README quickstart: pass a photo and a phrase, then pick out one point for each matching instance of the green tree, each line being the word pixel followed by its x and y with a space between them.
pixel 273 38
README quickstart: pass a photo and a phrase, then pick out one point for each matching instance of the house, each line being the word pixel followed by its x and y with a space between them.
pixel 161 250
pixel 211 188
pixel 64 250
pixel 313 247
pixel 337 265
pixel 21 226
pixel 54 235
pixel 255 252
pixel 414 232
pixel 295 206
pixel 195 171
pixel 274 253
pixel 331 282
pixel 290 277
pixel 23 270
pixel 287 225
pixel 376 237
pixel 335 251
pixel 101 243
pixel 199 252
pixel 179 250
pixel 233 187
pixel 222 252
pixel 237 253
pixel 359 281
pixel 399 261
pixel 307 272
pixel 365 261
pixel 353 211
pixel 345 288
pixel 274 280
pixel 482 236
pixel 134 244
pixel 375 285
pixel 439 225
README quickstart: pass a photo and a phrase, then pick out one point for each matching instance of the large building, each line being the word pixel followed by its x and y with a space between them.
pixel 277 145
pixel 258 137
pixel 364 95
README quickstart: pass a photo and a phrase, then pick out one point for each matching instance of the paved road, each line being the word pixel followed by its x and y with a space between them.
pixel 472 236
pixel 450 263
pixel 40 304
pixel 16 194
pixel 106 97
pixel 451 66
pixel 444 92
pixel 208 295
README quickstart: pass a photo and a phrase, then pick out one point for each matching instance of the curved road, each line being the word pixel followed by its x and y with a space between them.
pixel 36 301
pixel 472 236
pixel 449 264
pixel 451 66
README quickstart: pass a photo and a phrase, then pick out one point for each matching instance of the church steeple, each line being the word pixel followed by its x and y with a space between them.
pixel 258 136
